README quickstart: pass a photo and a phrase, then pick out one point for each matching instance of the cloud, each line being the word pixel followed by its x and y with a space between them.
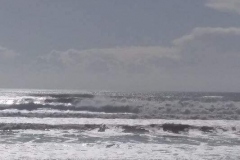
pixel 199 33
pixel 211 47
pixel 205 59
pixel 8 59
pixel 196 61
pixel 7 53
pixel 111 60
pixel 225 5
pixel 128 68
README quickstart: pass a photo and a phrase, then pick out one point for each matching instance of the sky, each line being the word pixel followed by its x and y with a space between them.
pixel 127 45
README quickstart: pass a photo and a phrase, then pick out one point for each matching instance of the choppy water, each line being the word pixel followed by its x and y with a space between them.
pixel 38 124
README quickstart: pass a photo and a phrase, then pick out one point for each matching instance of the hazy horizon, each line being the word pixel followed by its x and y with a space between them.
pixel 115 45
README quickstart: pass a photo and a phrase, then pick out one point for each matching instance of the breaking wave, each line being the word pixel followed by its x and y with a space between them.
pixel 106 109
pixel 166 127
pixel 136 105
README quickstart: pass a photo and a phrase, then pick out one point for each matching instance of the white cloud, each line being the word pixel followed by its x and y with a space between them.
pixel 225 5
pixel 200 60
pixel 205 59
pixel 199 33
pixel 7 53
pixel 211 46
pixel 111 60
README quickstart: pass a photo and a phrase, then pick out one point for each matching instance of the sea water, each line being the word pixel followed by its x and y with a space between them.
pixel 51 124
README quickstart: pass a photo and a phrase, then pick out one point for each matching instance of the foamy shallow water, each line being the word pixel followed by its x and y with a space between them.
pixel 224 123
pixel 114 143
pixel 117 151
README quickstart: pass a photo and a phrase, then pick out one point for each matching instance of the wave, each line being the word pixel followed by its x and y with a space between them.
pixel 64 114
pixel 162 111
pixel 167 127
pixel 44 99
pixel 64 95
pixel 154 105
pixel 106 108
pixel 103 115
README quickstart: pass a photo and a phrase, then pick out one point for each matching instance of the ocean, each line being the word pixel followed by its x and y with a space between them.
pixel 60 124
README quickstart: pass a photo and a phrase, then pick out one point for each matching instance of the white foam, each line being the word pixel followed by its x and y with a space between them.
pixel 223 123
pixel 108 150
pixel 52 111
pixel 16 100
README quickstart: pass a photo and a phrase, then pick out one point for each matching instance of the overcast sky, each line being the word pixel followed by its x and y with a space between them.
pixel 125 45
